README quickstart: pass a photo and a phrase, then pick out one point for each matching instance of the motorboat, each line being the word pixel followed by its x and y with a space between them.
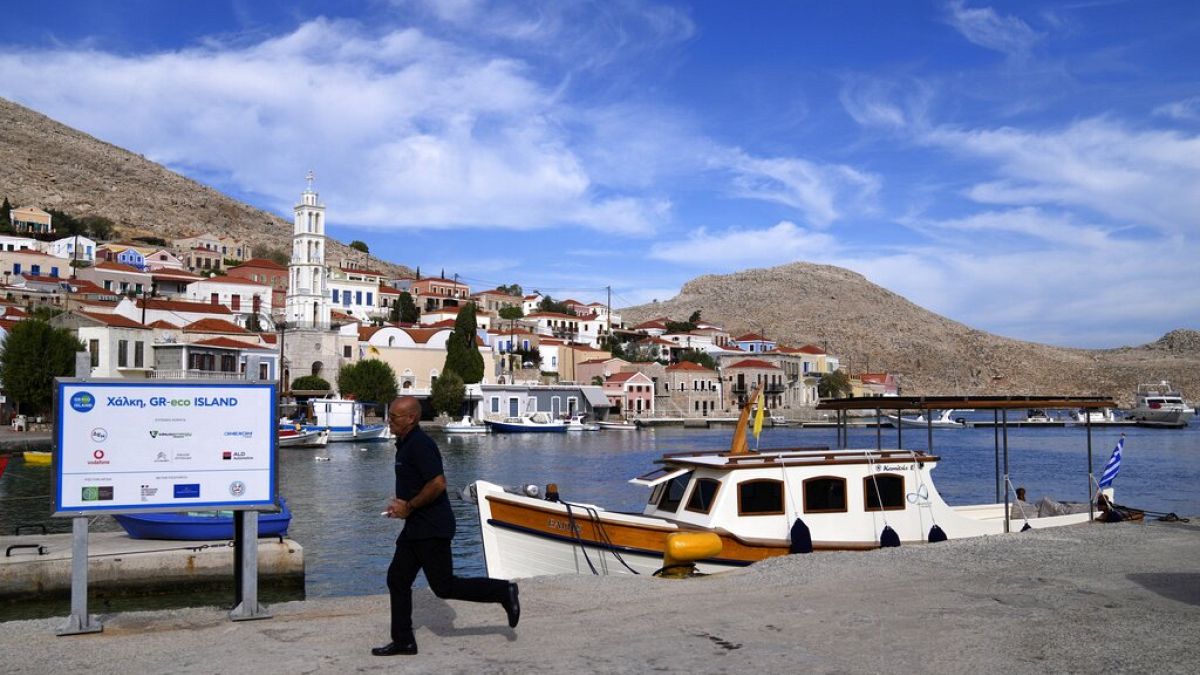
pixel 299 438
pixel 538 422
pixel 1100 416
pixel 943 421
pixel 780 421
pixel 465 426
pixel 1160 405
pixel 344 419
pixel 617 425
pixel 199 525
pixel 577 423
pixel 1038 416
pixel 721 510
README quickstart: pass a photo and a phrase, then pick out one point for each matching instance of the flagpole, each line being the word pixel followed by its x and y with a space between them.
pixel 1091 474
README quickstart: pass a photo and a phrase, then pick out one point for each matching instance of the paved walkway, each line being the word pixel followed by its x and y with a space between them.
pixel 1087 599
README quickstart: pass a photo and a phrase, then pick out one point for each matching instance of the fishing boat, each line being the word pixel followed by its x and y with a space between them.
pixel 199 525
pixel 617 425
pixel 465 426
pixel 943 421
pixel 1160 405
pixel 577 423
pixel 721 510
pixel 344 419
pixel 41 457
pixel 538 422
pixel 299 438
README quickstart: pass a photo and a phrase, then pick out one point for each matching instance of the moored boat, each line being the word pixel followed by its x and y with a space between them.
pixel 944 421
pixel 617 425
pixel 344 419
pixel 298 438
pixel 538 422
pixel 465 426
pixel 577 423
pixel 1104 416
pixel 199 525
pixel 1160 405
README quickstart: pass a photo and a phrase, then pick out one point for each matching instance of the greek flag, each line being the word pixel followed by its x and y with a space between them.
pixel 1113 466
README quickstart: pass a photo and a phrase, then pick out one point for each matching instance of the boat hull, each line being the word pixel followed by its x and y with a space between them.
pixel 186 527
pixel 617 426
pixel 303 439
pixel 358 433
pixel 506 428
pixel 1161 418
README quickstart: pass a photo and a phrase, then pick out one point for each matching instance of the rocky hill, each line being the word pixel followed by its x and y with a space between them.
pixel 873 329
pixel 50 165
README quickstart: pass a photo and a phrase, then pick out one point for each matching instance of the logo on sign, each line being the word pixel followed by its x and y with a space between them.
pixel 237 488
pixel 98 457
pixel 161 457
pixel 148 491
pixel 82 401
pixel 98 493
pixel 227 454
pixel 99 435
pixel 187 490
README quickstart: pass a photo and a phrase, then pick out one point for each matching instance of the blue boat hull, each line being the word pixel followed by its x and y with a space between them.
pixel 198 527
pixel 526 429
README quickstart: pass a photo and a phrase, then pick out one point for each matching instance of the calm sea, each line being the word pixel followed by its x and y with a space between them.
pixel 348 545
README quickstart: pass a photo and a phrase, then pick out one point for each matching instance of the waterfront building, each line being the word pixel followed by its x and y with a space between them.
pixel 263 271
pixel 875 384
pixel 175 312
pixel 630 394
pixel 31 219
pixel 691 389
pixel 117 346
pixel 77 247
pixel 497 401
pixel 241 296
pixel 740 378
pixel 354 290
pixel 416 354
pixel 588 371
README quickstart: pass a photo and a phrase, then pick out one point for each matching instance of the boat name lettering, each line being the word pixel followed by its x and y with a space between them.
pixel 890 467
pixel 560 524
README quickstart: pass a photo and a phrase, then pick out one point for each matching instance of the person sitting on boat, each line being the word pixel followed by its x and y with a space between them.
pixel 1022 509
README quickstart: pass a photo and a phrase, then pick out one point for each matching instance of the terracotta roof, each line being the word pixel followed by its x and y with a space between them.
pixel 268 337
pixel 551 315
pixel 617 378
pixel 41 279
pixel 444 323
pixel 114 320
pixel 117 267
pixel 444 310
pixel 240 281
pixel 215 326
pixel 653 323
pixel 11 311
pixel 182 306
pixel 365 332
pixel 688 365
pixel 226 343
pixel 7 325
pixel 174 274
pixel 334 314
pixel 162 324
pixel 874 378
pixel 753 363
pixel 752 337
pixel 657 341
pixel 262 262
pixel 85 286
pixel 384 289
pixel 612 358
pixel 422 335
pixel 812 349
pixel 362 271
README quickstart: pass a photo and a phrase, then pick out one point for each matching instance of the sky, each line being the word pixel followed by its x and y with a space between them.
pixel 1030 169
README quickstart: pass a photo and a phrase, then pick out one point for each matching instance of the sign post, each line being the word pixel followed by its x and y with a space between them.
pixel 164 445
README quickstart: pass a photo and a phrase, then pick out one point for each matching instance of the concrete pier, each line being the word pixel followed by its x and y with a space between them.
pixel 39 564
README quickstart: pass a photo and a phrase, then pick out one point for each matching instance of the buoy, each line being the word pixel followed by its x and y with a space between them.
pixel 683 549
pixel 936 534
pixel 801 538
pixel 888 538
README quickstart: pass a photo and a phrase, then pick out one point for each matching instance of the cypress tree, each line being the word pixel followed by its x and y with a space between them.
pixel 462 356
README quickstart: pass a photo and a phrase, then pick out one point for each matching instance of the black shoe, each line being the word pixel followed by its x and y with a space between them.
pixel 395 649
pixel 512 606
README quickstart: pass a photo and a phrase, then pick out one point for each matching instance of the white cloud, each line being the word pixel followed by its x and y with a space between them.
pixel 887 103
pixel 1188 109
pixel 784 242
pixel 822 192
pixel 986 28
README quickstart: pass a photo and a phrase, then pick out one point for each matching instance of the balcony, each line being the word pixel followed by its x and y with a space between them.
pixel 189 374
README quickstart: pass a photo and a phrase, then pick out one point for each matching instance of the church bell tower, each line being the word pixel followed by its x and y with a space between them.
pixel 308 301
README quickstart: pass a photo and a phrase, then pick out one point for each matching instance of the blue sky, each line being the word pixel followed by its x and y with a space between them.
pixel 1031 169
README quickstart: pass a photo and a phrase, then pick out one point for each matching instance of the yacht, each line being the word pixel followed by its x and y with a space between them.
pixel 1160 405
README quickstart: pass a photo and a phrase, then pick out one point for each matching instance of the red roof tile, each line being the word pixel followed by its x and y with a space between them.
pixel 162 324
pixel 751 337
pixel 117 267
pixel 114 320
pixel 753 363
pixel 262 263
pixel 226 343
pixel 182 306
pixel 215 326
pixel 688 365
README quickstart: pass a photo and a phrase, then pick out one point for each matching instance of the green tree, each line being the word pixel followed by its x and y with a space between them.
pixel 405 309
pixel 276 255
pixel 462 354
pixel 511 289
pixel 33 354
pixel 549 304
pixel 101 228
pixel 370 380
pixel 698 357
pixel 694 318
pixel 511 313
pixel 45 312
pixel 5 214
pixel 598 381
pixel 359 246
pixel 447 394
pixel 834 385
pixel 310 383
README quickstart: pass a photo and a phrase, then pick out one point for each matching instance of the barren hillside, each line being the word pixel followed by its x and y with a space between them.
pixel 873 329
pixel 46 164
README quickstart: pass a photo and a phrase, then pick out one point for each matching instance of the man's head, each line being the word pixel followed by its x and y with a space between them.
pixel 403 415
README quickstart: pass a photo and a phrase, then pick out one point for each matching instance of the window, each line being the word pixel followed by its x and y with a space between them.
pixel 704 493
pixel 673 494
pixel 495 404
pixel 346 351
pixel 889 496
pixel 139 354
pixel 94 350
pixel 36 270
pixel 370 298
pixel 760 497
pixel 358 297
pixel 122 353
pixel 54 272
pixel 228 363
pixel 235 302
pixel 825 494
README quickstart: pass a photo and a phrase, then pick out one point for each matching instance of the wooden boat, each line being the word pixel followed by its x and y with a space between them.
pixel 345 420
pixel 618 425
pixel 293 438
pixel 943 421
pixel 538 422
pixel 200 525
pixel 465 426
pixel 40 457
pixel 577 423
pixel 749 505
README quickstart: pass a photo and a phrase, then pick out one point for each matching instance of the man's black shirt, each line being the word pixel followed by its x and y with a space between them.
pixel 418 461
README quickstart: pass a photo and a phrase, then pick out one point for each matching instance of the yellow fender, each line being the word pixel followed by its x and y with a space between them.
pixel 684 549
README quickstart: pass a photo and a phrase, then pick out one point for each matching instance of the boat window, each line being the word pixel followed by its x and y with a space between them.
pixel 673 494
pixel 825 494
pixel 703 495
pixel 760 497
pixel 888 496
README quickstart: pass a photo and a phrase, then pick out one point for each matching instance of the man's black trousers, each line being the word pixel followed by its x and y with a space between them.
pixel 433 556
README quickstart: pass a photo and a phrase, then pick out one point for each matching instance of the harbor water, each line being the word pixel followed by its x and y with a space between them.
pixel 336 504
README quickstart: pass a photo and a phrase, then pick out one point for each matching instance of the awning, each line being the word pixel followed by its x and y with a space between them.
pixel 660 475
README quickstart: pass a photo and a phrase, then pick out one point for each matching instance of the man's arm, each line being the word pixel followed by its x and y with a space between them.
pixel 431 491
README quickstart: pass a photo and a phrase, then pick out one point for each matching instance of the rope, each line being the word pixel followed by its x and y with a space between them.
pixel 578 539
pixel 920 484
pixel 878 495
pixel 1017 501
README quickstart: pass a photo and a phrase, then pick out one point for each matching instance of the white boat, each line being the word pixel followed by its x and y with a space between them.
pixel 617 425
pixel 1160 405
pixel 345 420
pixel 577 423
pixel 1101 416
pixel 1038 416
pixel 943 421
pixel 465 426
pixel 780 421
pixel 293 438
pixel 724 510
pixel 538 422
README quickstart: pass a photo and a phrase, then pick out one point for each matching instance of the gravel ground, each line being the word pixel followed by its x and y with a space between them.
pixel 1089 599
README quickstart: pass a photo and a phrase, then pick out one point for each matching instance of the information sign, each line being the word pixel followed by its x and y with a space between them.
pixel 153 446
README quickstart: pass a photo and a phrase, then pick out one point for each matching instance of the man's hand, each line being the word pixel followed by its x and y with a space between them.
pixel 398 508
